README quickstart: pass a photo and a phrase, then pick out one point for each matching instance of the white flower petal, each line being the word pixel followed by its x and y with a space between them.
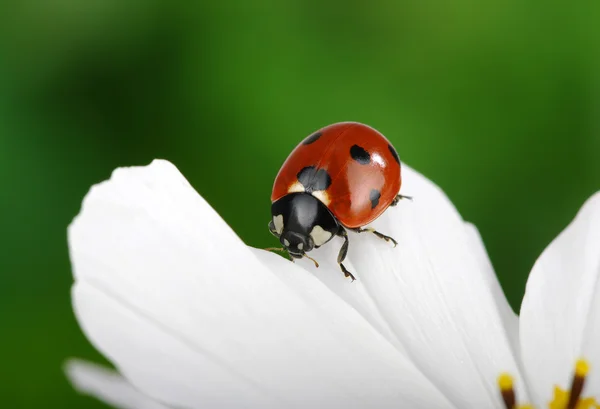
pixel 508 316
pixel 158 360
pixel 413 385
pixel 193 318
pixel 560 314
pixel 354 293
pixel 435 294
pixel 107 386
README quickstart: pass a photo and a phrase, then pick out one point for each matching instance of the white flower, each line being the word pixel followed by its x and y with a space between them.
pixel 193 318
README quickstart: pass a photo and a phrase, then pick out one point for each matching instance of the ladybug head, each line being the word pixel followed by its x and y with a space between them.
pixel 302 222
pixel 297 244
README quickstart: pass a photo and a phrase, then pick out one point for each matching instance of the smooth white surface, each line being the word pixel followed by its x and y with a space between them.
pixel 560 314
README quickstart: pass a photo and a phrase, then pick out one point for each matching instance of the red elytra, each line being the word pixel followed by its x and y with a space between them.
pixel 374 167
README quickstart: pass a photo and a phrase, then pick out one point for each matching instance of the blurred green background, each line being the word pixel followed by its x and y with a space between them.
pixel 496 101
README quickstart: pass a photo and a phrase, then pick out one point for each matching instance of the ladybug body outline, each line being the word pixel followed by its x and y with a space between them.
pixel 340 177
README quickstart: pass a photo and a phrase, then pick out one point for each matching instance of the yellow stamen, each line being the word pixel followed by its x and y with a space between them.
pixel 505 382
pixel 561 400
pixel 569 399
pixel 581 370
pixel 582 367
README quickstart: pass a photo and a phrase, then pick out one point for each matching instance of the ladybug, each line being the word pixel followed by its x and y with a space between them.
pixel 339 178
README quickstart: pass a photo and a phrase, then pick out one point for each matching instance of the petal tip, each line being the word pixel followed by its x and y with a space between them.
pixel 78 371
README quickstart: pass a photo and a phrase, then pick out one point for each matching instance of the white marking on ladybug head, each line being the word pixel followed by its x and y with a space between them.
pixel 296 187
pixel 323 196
pixel 319 235
pixel 286 242
pixel 300 246
pixel 278 223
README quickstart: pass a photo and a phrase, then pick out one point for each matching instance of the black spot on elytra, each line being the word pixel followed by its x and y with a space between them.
pixel 394 153
pixel 360 155
pixel 312 138
pixel 314 179
pixel 374 197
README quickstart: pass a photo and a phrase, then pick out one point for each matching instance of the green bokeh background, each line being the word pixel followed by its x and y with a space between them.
pixel 495 101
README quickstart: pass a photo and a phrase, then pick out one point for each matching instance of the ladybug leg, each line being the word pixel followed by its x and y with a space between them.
pixel 343 252
pixel 375 232
pixel 398 198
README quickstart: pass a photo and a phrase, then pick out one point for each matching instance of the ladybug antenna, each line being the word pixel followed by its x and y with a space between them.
pixel 405 197
pixel 313 260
